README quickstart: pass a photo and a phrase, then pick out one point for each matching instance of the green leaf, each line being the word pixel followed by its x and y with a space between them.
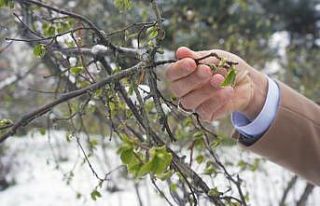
pixel 145 169
pixel 2 3
pixel 247 197
pixel 214 192
pixel 198 135
pixel 63 27
pixel 11 4
pixel 213 67
pixel 255 165
pixel 165 157
pixel 210 169
pixel 39 50
pixel 5 122
pixel 78 195
pixel 152 32
pixel 166 175
pixel 199 143
pixel 69 137
pixel 128 140
pixel 123 5
pixel 160 51
pixel 173 187
pixel 222 62
pixel 98 93
pixel 93 143
pixel 242 164
pixel 158 163
pixel 230 79
pixel 200 159
pixel 215 143
pixel 95 195
pixel 127 155
pixel 151 44
pixel 42 131
pixel 48 30
pixel 134 169
pixel 76 70
pixel 8 3
pixel 70 44
pixel 51 31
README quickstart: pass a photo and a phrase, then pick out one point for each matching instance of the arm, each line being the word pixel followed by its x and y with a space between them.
pixel 293 138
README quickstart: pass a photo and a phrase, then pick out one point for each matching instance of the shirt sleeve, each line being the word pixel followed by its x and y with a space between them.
pixel 257 127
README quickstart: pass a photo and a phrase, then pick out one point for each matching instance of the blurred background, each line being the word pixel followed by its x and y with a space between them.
pixel 280 38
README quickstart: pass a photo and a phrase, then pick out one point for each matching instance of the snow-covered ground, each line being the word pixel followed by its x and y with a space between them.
pixel 40 183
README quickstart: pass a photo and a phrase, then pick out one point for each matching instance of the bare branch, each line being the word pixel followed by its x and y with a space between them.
pixel 290 185
pixel 26 119
pixel 305 195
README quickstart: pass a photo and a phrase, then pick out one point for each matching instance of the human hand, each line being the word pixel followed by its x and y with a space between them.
pixel 199 88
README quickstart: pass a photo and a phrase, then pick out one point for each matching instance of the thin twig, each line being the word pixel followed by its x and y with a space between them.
pixel 26 119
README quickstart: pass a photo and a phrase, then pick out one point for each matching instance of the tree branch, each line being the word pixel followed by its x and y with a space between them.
pixel 26 119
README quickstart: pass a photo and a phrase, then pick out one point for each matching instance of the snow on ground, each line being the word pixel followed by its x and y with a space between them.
pixel 40 183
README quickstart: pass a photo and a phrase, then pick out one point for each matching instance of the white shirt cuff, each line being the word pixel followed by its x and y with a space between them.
pixel 255 128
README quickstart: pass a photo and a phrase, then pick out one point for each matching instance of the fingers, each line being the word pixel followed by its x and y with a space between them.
pixel 212 107
pixel 217 80
pixel 212 89
pixel 184 52
pixel 195 98
pixel 187 63
pixel 193 81
pixel 197 79
pixel 180 69
pixel 207 101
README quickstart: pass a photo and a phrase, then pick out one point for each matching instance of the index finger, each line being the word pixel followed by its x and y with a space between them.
pixel 180 69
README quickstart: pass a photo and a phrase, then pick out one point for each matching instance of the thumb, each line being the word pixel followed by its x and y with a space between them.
pixel 184 52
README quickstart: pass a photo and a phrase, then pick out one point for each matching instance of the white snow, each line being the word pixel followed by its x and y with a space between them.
pixel 40 183
pixel 99 49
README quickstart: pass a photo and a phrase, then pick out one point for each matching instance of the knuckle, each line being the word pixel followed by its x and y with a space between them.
pixel 202 111
pixel 212 117
pixel 205 112
pixel 187 103
pixel 206 117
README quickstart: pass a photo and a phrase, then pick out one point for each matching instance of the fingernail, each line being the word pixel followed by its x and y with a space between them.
pixel 189 64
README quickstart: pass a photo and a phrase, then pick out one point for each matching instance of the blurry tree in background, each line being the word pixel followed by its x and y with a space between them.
pixel 110 53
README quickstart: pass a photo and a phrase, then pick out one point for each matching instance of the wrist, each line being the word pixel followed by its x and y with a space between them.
pixel 259 95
